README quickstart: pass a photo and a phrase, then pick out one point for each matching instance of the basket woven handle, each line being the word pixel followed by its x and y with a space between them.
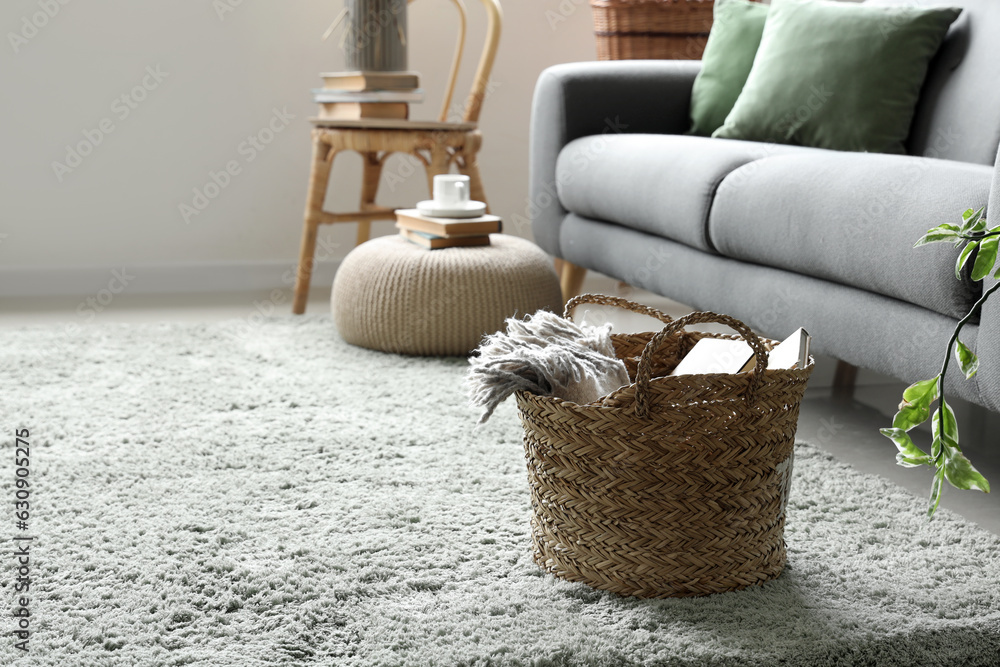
pixel 644 372
pixel 604 300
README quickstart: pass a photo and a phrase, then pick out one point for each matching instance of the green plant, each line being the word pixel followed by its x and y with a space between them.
pixel 946 457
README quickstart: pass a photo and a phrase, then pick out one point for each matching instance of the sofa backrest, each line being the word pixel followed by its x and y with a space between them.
pixel 958 117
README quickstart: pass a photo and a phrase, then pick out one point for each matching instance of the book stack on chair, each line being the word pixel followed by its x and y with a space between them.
pixel 363 95
pixel 450 220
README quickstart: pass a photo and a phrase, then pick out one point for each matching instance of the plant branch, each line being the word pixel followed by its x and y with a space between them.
pixel 977 236
pixel 947 359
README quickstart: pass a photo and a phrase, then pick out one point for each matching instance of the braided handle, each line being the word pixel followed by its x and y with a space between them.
pixel 644 372
pixel 605 300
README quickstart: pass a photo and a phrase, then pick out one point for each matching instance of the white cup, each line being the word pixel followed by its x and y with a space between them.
pixel 451 190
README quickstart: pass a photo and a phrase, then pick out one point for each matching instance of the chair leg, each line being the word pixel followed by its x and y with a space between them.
pixel 303 276
pixel 369 189
pixel 470 167
pixel 571 279
pixel 438 165
pixel 319 178
pixel 844 379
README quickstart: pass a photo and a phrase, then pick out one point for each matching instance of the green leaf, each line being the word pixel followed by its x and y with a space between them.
pixel 945 232
pixel 909 456
pixel 916 405
pixel 966 359
pixel 977 220
pixel 986 257
pixel 936 486
pixel 945 439
pixel 973 221
pixel 948 421
pixel 935 449
pixel 964 257
pixel 960 473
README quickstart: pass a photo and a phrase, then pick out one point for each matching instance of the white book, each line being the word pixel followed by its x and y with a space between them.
pixel 715 355
pixel 793 352
pixel 719 355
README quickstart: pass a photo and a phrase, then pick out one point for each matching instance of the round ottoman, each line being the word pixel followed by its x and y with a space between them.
pixel 392 295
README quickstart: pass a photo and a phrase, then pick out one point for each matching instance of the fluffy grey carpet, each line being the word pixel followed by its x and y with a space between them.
pixel 202 495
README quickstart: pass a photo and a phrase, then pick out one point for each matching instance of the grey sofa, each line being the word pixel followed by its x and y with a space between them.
pixel 780 236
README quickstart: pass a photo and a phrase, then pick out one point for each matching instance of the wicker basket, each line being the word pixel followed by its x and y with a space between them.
pixel 651 29
pixel 671 486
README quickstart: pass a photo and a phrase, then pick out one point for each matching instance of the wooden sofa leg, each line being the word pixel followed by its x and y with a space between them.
pixel 843 380
pixel 571 279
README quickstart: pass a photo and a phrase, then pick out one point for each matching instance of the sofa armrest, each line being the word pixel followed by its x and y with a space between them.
pixel 988 339
pixel 580 99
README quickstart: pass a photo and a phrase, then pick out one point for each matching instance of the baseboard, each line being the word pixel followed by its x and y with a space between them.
pixel 158 279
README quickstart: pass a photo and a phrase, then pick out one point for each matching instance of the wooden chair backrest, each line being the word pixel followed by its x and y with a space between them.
pixel 474 103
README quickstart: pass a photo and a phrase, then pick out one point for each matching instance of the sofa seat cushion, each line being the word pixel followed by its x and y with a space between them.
pixel 662 184
pixel 852 218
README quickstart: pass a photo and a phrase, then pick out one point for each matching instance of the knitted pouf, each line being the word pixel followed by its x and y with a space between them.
pixel 393 295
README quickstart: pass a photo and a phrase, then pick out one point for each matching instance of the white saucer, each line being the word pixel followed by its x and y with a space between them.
pixel 472 209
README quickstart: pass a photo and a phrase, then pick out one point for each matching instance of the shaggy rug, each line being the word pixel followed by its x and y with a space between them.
pixel 229 494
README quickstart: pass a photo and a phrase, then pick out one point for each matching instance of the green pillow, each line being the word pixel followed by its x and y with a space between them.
pixel 736 29
pixel 838 75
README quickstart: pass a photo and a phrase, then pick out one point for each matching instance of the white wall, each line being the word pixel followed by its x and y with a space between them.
pixel 224 73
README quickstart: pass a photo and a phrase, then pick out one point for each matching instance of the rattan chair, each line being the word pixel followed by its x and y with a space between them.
pixel 437 144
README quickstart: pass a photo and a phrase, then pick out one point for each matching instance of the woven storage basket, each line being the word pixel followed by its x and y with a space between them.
pixel 651 29
pixel 671 486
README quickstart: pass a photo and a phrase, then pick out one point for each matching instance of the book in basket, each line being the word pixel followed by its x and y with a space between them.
pixel 721 355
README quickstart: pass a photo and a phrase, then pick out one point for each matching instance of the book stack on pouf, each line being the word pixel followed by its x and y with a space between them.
pixel 367 95
pixel 450 220
pixel 430 289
